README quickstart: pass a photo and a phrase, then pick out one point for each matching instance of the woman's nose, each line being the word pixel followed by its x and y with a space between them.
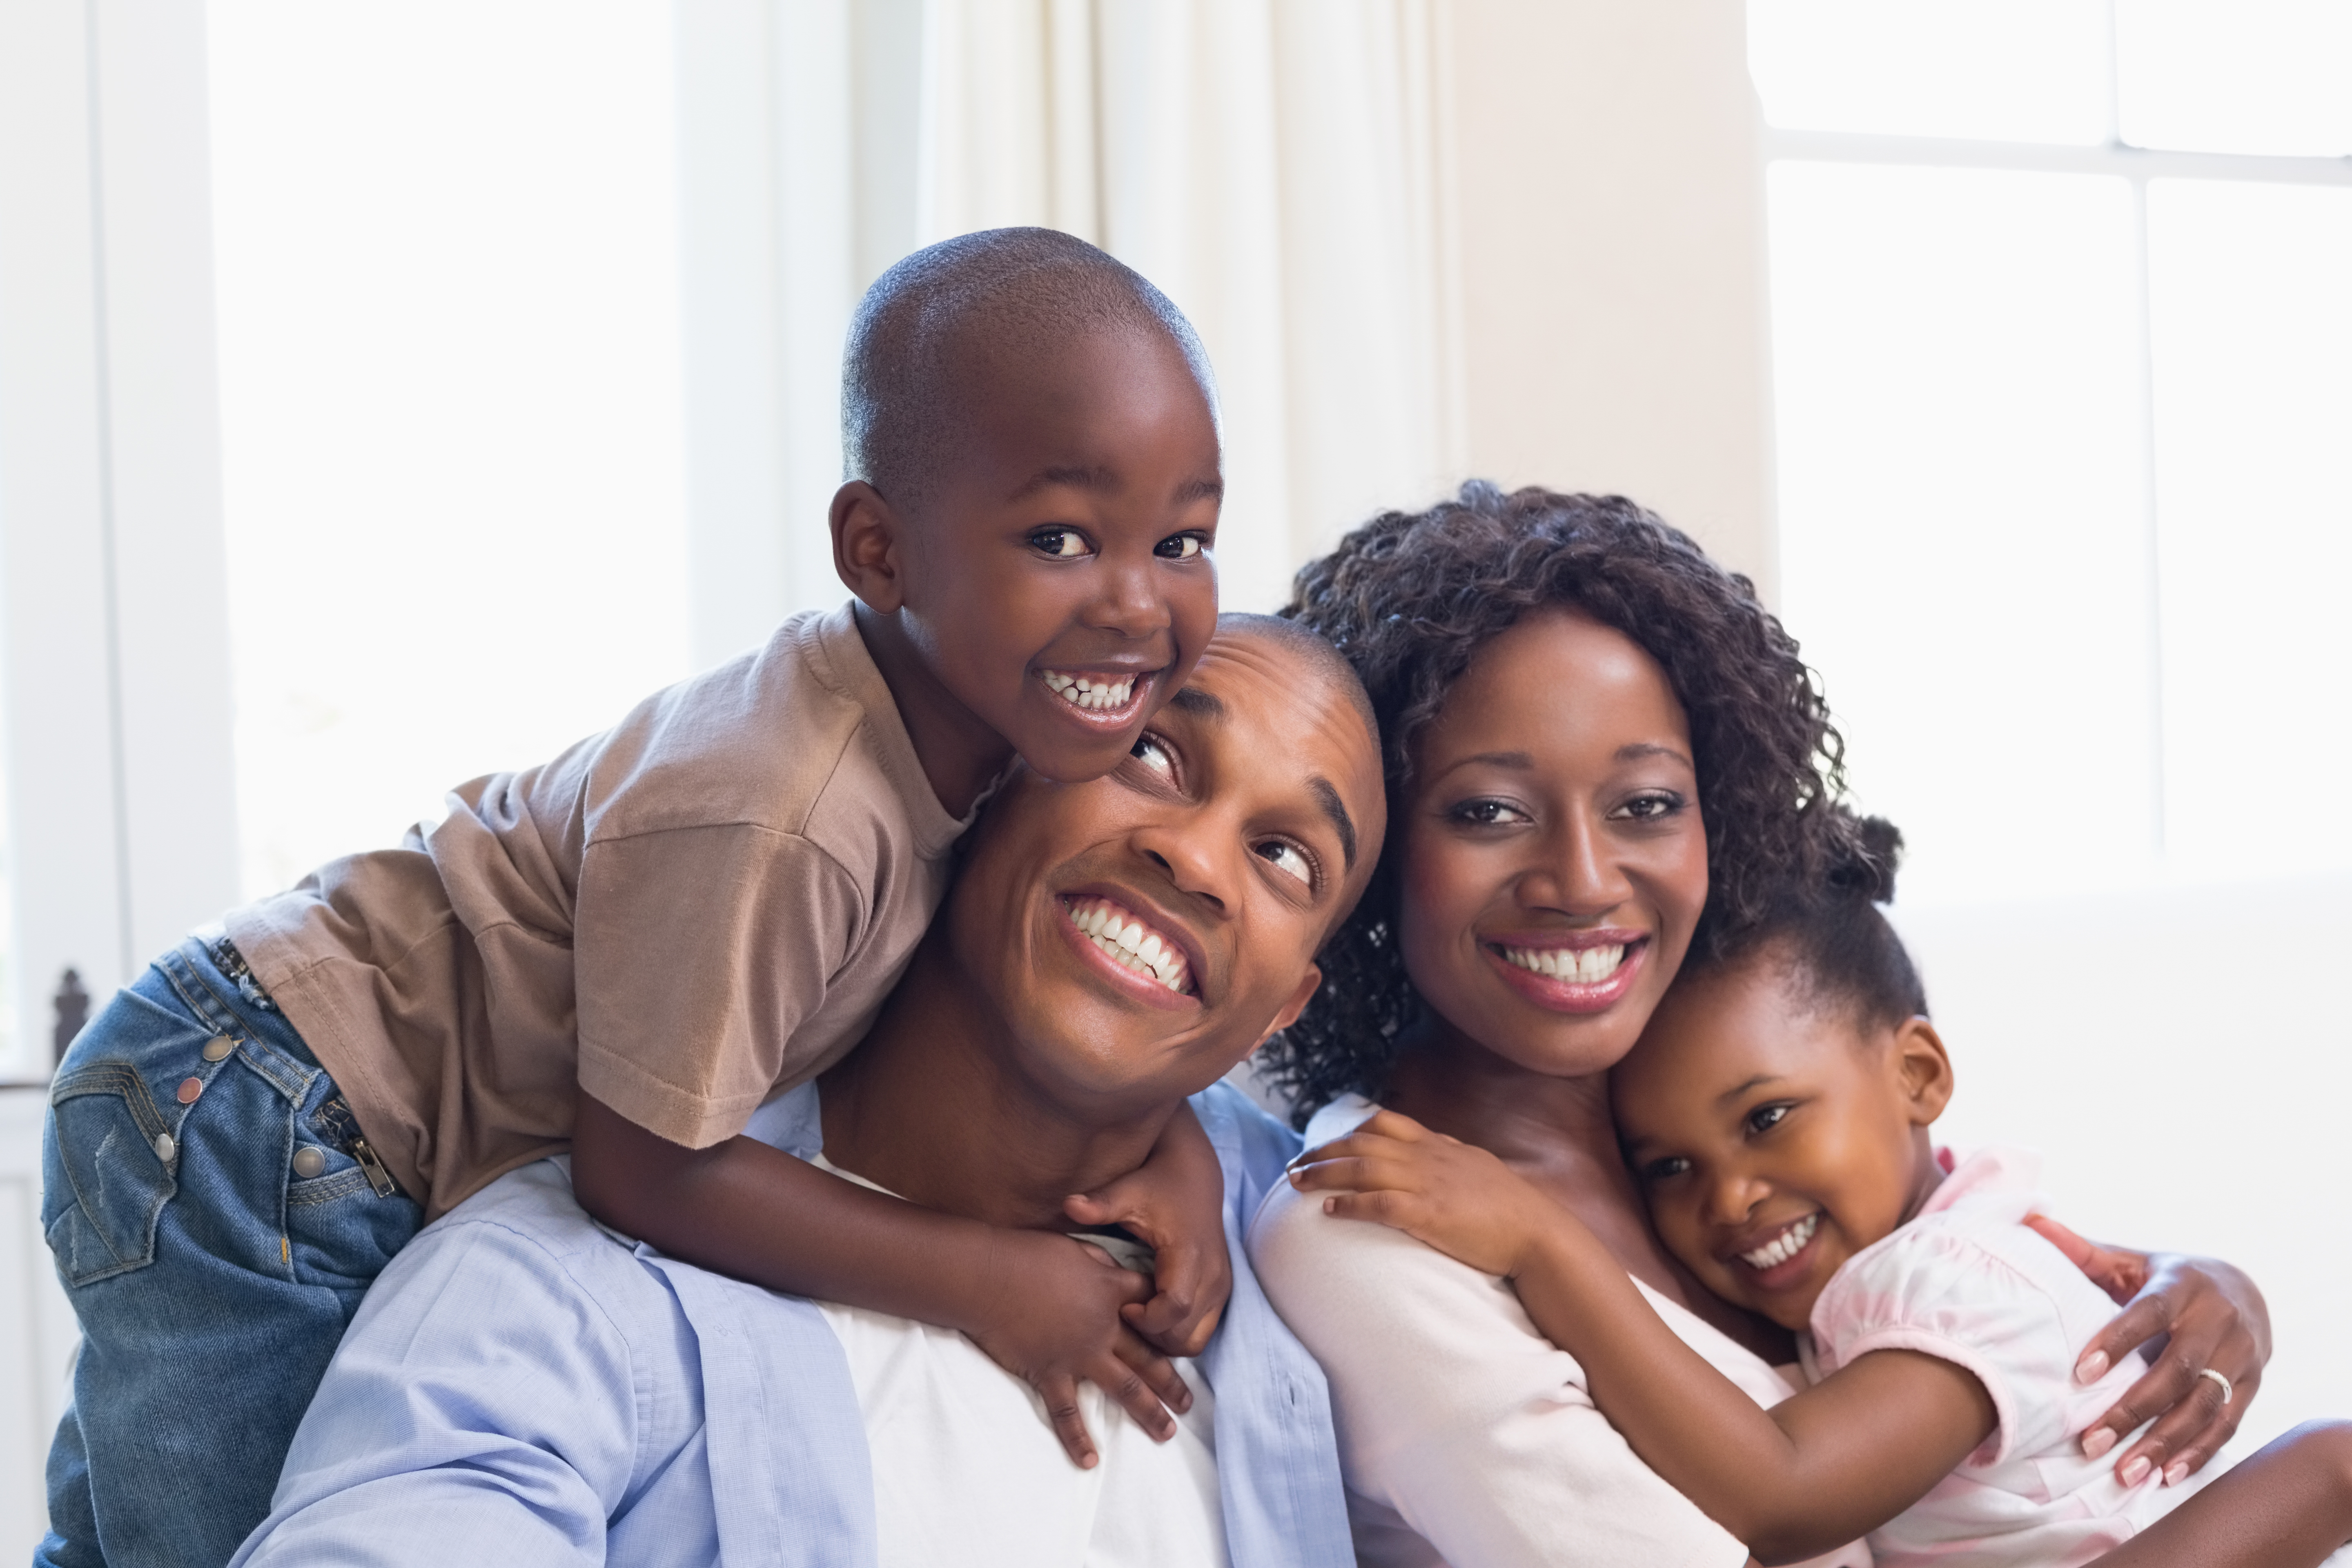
pixel 1577 874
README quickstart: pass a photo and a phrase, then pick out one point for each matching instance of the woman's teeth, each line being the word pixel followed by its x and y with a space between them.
pixel 1581 964
pixel 1085 692
pixel 1120 933
pixel 1783 1247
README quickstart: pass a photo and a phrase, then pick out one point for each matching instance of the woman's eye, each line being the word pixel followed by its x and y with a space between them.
pixel 1765 1118
pixel 1179 547
pixel 1664 1170
pixel 1288 858
pixel 1650 807
pixel 1063 544
pixel 1153 753
pixel 1488 814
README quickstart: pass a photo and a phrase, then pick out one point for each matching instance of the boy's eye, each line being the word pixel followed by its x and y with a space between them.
pixel 1488 814
pixel 1650 807
pixel 1179 547
pixel 1663 1170
pixel 1765 1118
pixel 1288 858
pixel 1153 753
pixel 1063 544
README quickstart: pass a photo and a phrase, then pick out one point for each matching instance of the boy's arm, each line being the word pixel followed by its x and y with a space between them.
pixel 1818 1470
pixel 1176 1205
pixel 1043 1307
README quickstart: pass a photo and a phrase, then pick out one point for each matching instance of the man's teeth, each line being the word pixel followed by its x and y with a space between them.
pixel 1083 691
pixel 1783 1247
pixel 1118 931
pixel 1581 964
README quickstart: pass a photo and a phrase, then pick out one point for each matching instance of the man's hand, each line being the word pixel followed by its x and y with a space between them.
pixel 1055 1315
pixel 2191 1313
pixel 1175 1205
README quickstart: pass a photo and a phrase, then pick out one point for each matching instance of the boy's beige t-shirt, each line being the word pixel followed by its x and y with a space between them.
pixel 683 916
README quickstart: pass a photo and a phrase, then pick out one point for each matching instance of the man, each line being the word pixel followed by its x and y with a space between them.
pixel 524 1387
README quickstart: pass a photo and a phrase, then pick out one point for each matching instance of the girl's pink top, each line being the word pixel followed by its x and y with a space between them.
pixel 1969 1282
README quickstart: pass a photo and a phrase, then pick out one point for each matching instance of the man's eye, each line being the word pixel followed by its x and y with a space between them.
pixel 1667 1169
pixel 1765 1118
pixel 1063 544
pixel 1488 814
pixel 1153 753
pixel 1179 547
pixel 1288 858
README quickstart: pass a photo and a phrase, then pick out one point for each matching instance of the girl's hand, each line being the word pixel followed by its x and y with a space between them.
pixel 2191 1313
pixel 1452 1196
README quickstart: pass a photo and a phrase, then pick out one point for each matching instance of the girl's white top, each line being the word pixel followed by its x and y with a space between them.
pixel 1465 1437
pixel 1967 1281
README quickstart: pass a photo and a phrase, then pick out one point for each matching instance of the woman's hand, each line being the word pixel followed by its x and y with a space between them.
pixel 2191 1313
pixel 1454 1196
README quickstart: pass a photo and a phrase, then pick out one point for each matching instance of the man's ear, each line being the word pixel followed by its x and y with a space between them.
pixel 1925 1067
pixel 1295 1005
pixel 867 552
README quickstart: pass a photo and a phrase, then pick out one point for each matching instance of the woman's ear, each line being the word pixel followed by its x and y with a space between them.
pixel 1925 1067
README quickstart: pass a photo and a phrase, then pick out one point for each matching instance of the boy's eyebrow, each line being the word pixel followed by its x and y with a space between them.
pixel 1079 475
pixel 1336 809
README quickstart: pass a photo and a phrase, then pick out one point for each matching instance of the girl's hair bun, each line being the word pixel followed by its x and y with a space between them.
pixel 1874 847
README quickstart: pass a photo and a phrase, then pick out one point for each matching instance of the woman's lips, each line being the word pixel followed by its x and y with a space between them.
pixel 1589 973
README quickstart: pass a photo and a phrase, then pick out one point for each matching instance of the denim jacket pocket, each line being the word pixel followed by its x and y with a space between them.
pixel 104 1180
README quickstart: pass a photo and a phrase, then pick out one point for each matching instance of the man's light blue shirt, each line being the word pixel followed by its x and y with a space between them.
pixel 521 1387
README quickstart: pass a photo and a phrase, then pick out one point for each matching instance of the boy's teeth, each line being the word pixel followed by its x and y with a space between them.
pixel 1584 965
pixel 1083 691
pixel 1122 933
pixel 1783 1247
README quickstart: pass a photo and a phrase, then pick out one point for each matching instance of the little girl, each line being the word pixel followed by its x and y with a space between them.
pixel 1776 1115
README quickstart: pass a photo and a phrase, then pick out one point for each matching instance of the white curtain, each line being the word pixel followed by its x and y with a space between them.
pixel 1273 164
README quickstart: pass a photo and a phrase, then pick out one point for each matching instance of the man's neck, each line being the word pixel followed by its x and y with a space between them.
pixel 932 1105
pixel 960 755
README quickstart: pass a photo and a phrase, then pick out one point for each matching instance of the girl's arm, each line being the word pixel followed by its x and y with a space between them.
pixel 1833 1463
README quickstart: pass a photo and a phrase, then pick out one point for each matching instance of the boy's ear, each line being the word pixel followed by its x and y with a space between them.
pixel 866 554
pixel 1926 1069
pixel 1295 1005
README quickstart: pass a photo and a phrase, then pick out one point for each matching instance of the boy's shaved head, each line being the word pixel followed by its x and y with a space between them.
pixel 938 327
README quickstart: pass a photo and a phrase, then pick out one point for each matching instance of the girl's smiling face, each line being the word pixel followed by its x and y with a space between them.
pixel 1553 862
pixel 1774 1134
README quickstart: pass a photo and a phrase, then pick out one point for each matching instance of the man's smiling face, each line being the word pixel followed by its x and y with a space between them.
pixel 1141 932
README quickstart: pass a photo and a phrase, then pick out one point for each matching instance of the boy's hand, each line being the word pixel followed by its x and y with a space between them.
pixel 1057 1318
pixel 1175 1205
pixel 1452 1196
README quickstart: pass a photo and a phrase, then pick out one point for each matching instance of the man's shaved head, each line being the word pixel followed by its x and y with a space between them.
pixel 1328 662
pixel 934 329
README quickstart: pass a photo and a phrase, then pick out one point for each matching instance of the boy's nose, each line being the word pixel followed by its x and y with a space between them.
pixel 1130 603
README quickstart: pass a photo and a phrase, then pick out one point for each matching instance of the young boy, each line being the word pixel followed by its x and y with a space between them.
pixel 633 946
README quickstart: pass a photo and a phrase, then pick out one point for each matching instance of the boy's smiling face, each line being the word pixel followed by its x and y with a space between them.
pixel 1774 1134
pixel 1055 572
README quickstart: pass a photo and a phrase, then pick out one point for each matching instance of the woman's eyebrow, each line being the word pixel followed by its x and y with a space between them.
pixel 1639 749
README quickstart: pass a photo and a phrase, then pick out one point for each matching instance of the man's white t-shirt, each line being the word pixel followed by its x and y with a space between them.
pixel 967 1469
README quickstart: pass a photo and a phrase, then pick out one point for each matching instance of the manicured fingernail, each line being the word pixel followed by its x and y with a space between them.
pixel 2134 1472
pixel 2092 1367
pixel 2177 1473
pixel 2097 1441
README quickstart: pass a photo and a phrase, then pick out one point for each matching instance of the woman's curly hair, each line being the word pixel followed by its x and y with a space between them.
pixel 1410 599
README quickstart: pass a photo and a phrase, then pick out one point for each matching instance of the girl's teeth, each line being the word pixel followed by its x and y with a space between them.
pixel 1121 934
pixel 1083 691
pixel 1783 1247
pixel 1583 965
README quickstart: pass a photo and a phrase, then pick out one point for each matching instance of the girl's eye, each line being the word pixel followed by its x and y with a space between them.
pixel 1153 753
pixel 1664 1170
pixel 1650 807
pixel 1062 544
pixel 1179 547
pixel 1288 858
pixel 1765 1118
pixel 1488 814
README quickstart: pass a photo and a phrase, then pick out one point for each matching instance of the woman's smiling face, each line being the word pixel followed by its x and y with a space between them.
pixel 1553 862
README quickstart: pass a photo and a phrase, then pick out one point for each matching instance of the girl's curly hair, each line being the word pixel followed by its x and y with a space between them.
pixel 1410 599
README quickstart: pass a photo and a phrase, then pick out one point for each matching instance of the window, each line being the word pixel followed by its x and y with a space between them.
pixel 2063 364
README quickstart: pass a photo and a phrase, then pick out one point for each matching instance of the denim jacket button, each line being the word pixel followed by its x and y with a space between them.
pixel 165 1149
pixel 189 1088
pixel 218 1046
pixel 308 1161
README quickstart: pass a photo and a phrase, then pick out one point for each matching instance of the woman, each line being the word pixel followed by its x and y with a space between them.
pixel 1602 750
